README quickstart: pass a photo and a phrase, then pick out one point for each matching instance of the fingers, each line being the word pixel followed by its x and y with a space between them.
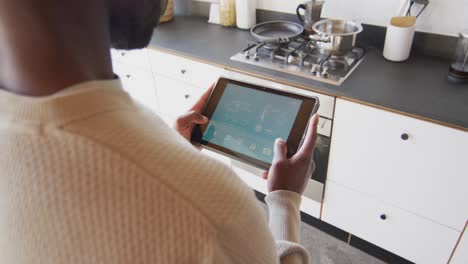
pixel 309 140
pixel 265 175
pixel 191 118
pixel 281 150
pixel 198 106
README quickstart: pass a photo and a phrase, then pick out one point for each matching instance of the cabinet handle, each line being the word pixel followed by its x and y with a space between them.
pixel 404 136
pixel 187 96
pixel 183 71
pixel 383 216
pixel 123 54
pixel 128 76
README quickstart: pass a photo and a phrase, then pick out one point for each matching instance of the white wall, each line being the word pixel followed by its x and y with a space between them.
pixel 447 17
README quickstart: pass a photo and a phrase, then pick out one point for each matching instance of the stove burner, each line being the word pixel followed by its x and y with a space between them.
pixel 302 58
pixel 271 46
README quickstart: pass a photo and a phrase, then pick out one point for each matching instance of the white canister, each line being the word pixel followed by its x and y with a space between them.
pixel 399 38
pixel 246 12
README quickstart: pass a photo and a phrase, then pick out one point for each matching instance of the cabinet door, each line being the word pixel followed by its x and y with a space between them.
pixel 134 58
pixel 175 97
pixel 399 231
pixel 412 164
pixel 200 75
pixel 140 85
pixel 460 256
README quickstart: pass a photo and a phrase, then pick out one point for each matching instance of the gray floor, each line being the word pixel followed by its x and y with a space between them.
pixel 325 249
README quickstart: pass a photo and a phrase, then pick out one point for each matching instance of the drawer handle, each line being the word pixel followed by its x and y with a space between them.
pixel 187 96
pixel 183 71
pixel 123 54
pixel 404 136
pixel 128 76
pixel 383 216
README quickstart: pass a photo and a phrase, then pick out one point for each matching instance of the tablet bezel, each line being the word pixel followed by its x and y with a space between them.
pixel 309 106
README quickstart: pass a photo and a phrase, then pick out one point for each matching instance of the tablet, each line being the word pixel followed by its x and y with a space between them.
pixel 246 119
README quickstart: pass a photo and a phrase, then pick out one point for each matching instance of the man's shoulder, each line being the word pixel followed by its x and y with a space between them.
pixel 144 140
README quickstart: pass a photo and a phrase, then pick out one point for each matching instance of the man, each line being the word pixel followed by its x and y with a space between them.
pixel 89 176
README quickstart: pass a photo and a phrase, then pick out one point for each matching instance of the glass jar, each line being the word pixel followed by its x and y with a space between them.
pixel 227 13
pixel 459 67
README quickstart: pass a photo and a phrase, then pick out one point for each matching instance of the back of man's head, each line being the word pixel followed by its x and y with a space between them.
pixel 132 21
pixel 47 45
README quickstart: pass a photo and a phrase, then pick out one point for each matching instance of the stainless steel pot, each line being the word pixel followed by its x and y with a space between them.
pixel 335 37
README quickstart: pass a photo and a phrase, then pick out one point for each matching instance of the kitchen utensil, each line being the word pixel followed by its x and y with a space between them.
pixel 246 13
pixel 312 13
pixel 276 32
pixel 227 12
pixel 403 8
pixel 409 8
pixel 168 14
pixel 335 37
pixel 425 3
pixel 214 13
pixel 399 38
pixel 458 71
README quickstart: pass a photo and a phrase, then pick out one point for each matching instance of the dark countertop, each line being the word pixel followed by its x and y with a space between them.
pixel 417 87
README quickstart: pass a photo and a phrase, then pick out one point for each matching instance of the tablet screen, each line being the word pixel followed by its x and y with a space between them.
pixel 248 121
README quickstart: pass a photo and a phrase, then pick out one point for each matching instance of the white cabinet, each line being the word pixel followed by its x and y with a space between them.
pixel 191 72
pixel 134 58
pixel 180 82
pixel 399 231
pixel 141 86
pixel 175 97
pixel 134 71
pixel 460 256
pixel 411 164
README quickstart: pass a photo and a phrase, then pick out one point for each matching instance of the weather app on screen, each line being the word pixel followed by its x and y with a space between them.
pixel 248 121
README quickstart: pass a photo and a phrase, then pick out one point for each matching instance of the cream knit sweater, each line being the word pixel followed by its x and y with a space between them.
pixel 88 176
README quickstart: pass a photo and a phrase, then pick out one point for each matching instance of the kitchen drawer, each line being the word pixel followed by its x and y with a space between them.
pixel 327 103
pixel 194 73
pixel 460 256
pixel 135 58
pixel 410 163
pixel 405 234
pixel 175 97
pixel 140 85
pixel 311 200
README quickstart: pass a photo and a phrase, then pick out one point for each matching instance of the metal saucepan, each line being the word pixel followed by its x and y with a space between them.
pixel 276 32
pixel 335 37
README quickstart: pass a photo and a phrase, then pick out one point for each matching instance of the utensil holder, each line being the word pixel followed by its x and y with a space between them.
pixel 399 38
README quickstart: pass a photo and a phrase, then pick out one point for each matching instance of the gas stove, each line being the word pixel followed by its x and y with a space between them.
pixel 300 57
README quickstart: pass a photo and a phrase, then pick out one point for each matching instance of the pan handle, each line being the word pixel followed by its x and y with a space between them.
pixel 283 40
pixel 320 38
pixel 301 6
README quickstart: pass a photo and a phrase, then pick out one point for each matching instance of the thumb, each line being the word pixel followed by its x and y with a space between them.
pixel 190 118
pixel 281 150
pixel 198 118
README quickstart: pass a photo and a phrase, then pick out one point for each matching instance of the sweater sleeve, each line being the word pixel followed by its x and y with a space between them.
pixel 284 220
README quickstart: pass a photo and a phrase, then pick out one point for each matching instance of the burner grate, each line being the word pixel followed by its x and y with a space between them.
pixel 301 57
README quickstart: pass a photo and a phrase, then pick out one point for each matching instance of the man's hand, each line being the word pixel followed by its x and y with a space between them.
pixel 186 122
pixel 293 174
